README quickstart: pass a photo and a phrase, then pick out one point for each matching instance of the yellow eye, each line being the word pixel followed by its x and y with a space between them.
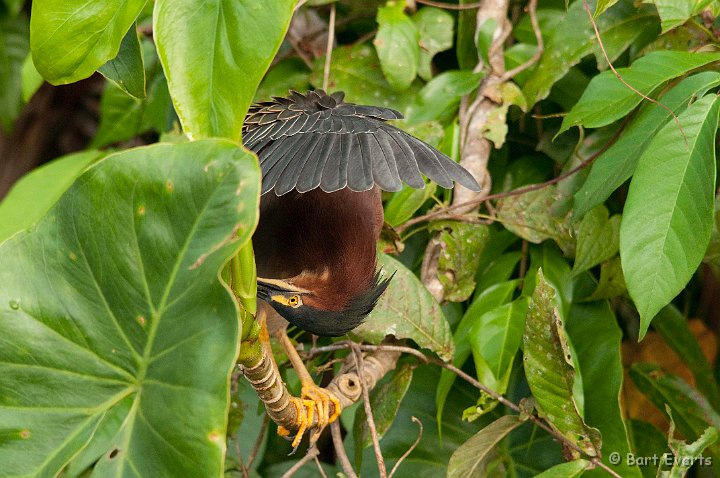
pixel 289 301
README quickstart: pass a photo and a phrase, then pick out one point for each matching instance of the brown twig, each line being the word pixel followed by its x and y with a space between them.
pixel 532 12
pixel 450 6
pixel 357 353
pixel 258 441
pixel 320 468
pixel 340 451
pixel 412 447
pixel 619 77
pixel 310 455
pixel 328 51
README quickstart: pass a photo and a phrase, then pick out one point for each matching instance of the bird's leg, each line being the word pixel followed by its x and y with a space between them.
pixel 316 396
pixel 305 408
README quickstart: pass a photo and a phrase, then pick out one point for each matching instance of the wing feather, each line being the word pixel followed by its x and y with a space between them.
pixel 384 169
pixel 311 174
pixel 318 140
pixel 359 171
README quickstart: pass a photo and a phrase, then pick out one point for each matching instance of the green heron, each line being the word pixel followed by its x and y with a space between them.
pixel 324 162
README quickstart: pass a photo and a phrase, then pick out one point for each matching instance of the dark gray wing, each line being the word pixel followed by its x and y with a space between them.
pixel 317 140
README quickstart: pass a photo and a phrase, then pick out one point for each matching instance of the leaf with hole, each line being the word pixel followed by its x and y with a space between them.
pixel 549 370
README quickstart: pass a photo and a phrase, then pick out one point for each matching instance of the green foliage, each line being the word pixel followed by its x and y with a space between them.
pixel 214 56
pixel 94 30
pixel 674 187
pixel 119 335
pixel 130 339
pixel 13 49
pixel 407 311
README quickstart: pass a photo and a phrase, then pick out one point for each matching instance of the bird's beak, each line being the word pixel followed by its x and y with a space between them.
pixel 266 288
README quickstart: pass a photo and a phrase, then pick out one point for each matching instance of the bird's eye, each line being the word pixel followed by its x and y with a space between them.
pixel 294 300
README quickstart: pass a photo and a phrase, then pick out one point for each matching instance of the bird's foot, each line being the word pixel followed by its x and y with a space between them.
pixel 313 398
pixel 322 400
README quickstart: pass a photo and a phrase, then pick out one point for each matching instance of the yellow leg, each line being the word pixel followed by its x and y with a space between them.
pixel 305 408
pixel 313 397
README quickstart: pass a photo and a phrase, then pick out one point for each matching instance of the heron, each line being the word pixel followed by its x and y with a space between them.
pixel 324 164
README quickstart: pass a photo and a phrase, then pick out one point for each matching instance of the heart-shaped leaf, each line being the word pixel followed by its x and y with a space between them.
pixel 113 319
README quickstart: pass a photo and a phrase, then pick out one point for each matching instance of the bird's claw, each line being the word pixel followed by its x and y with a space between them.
pixel 313 397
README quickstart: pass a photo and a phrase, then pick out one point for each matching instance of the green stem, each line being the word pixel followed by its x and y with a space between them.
pixel 244 286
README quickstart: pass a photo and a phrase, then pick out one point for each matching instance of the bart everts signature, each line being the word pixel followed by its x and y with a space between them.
pixel 664 459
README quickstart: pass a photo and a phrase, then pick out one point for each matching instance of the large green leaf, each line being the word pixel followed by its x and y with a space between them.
pixel 214 55
pixel 470 459
pixel 435 32
pixel 407 311
pixel 70 39
pixel 549 369
pixel 668 215
pixel 397 45
pixel 574 38
pixel 111 313
pixel 596 337
pixel 613 167
pixel 37 191
pixel 123 117
pixel 607 99
pixel 496 337
pixel 488 300
pixel 13 50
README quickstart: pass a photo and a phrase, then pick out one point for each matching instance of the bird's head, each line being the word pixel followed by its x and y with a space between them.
pixel 316 310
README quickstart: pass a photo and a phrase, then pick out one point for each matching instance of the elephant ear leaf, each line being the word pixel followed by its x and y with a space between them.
pixel 117 337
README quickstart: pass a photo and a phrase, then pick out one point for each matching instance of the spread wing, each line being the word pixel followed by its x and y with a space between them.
pixel 317 140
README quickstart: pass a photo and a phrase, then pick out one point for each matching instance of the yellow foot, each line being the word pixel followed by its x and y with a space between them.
pixel 313 398
pixel 322 400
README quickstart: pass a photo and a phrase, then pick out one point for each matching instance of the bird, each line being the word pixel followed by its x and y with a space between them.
pixel 324 163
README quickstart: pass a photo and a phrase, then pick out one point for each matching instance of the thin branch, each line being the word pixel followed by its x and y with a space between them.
pixel 310 455
pixel 357 353
pixel 412 447
pixel 320 468
pixel 602 48
pixel 340 450
pixel 328 51
pixel 258 441
pixel 532 11
pixel 450 6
